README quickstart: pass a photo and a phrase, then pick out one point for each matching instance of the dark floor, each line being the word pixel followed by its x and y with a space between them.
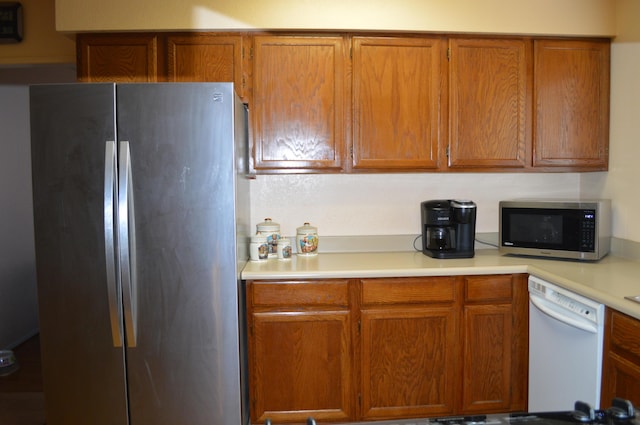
pixel 21 397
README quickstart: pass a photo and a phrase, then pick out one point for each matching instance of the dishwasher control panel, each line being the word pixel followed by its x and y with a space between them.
pixel 576 304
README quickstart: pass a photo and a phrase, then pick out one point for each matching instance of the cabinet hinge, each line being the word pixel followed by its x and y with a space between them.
pixel 350 52
pixel 351 152
pixel 447 151
pixel 448 53
pixel 360 400
pixel 359 326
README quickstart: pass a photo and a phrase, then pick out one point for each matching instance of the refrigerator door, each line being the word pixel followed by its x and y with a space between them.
pixel 80 327
pixel 184 362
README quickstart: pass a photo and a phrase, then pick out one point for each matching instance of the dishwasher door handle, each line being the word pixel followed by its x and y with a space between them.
pixel 547 308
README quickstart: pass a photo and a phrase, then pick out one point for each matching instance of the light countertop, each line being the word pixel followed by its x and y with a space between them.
pixel 607 281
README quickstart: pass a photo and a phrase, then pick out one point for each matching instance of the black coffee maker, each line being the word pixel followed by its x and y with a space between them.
pixel 448 228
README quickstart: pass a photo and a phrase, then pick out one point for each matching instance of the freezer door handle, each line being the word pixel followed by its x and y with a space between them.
pixel 113 293
pixel 548 308
pixel 127 243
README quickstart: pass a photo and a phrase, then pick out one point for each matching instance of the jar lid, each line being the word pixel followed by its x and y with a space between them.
pixel 268 226
pixel 306 229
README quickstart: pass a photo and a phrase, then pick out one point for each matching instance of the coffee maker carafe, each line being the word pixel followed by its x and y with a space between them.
pixel 448 228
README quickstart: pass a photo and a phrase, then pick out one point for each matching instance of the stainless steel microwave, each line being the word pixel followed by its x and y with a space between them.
pixel 572 229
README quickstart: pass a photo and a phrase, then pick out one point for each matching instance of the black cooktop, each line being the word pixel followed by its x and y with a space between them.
pixel 621 412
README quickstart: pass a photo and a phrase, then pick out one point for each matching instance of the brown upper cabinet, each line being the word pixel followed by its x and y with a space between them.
pixel 571 113
pixel 117 58
pixel 182 57
pixel 389 103
pixel 397 93
pixel 205 57
pixel 490 106
pixel 299 98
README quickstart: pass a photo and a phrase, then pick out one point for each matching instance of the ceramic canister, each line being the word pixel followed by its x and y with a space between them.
pixel 284 249
pixel 271 231
pixel 307 240
pixel 258 248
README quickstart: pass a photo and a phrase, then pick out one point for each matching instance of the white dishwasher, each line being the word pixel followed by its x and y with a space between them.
pixel 565 348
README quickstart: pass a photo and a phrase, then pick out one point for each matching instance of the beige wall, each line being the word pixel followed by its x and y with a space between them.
pixel 621 182
pixel 41 43
pixel 573 17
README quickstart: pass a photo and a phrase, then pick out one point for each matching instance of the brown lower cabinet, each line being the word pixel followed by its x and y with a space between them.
pixel 495 344
pixel 368 349
pixel 621 363
pixel 300 351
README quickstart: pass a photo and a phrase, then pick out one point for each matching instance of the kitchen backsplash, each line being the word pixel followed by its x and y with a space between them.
pixel 389 204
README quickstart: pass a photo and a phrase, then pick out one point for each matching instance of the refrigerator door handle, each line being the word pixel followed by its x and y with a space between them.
pixel 126 227
pixel 113 293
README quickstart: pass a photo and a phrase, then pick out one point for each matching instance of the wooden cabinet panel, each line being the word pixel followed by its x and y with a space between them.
pixel 397 91
pixel 489 288
pixel 114 58
pixel 520 343
pixel 409 362
pixel 495 353
pixel 410 345
pixel 487 358
pixel 300 351
pixel 301 293
pixel 304 366
pixel 409 290
pixel 489 88
pixel 571 91
pixel 621 368
pixel 625 334
pixel 205 58
pixel 299 94
pixel 623 380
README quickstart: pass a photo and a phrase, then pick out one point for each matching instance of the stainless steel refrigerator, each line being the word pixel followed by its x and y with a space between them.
pixel 141 223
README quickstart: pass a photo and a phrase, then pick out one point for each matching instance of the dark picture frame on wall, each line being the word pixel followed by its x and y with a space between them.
pixel 10 22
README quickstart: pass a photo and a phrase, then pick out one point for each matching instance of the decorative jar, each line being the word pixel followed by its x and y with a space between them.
pixel 307 240
pixel 271 231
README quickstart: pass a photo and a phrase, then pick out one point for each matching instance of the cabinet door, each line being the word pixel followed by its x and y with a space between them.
pixel 408 362
pixel 299 103
pixel 487 358
pixel 117 58
pixel 397 90
pixel 621 368
pixel 489 103
pixel 571 91
pixel 205 58
pixel 303 366
pixel 409 342
pixel 495 344
pixel 300 351
pixel 622 380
